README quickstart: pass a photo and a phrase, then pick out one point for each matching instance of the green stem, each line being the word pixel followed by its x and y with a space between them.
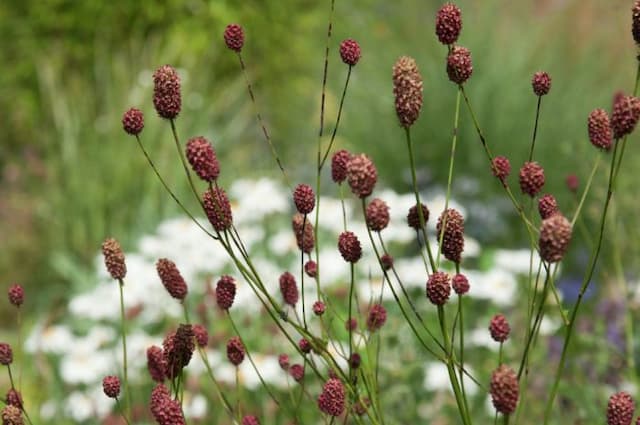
pixel 121 411
pixel 335 128
pixel 13 385
pixel 184 162
pixel 535 129
pixel 124 347
pixel 351 285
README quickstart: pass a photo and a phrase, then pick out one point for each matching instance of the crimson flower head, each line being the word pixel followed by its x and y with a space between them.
pixel 541 83
pixel 167 98
pixel 203 159
pixel 350 51
pixel 304 198
pixel 448 23
pixel 16 295
pixel 111 386
pixel 234 37
pixel 133 121
pixel 332 399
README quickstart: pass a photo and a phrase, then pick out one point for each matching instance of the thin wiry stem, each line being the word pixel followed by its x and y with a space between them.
pixel 124 347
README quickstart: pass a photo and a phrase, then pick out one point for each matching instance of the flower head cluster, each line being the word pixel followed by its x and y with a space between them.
pixel 620 409
pixel 235 350
pixel 349 247
pixel 332 398
pixel 350 52
pixel 303 230
pixel 171 278
pixel 114 259
pixel 413 216
pixel 459 66
pixel 555 236
pixel 362 175
pixel 504 389
pixel 541 83
pixel 133 121
pixel 531 178
pixel 6 354
pixel 339 162
pixel 225 292
pixel 234 37
pixel 203 159
pixel 407 90
pixel 599 128
pixel 304 198
pixel 111 386
pixel 156 363
pixel 460 284
pixel 12 415
pixel 448 23
pixel 166 92
pixel 178 348
pixel 625 115
pixel 438 288
pixel 377 317
pixel 499 328
pixel 501 167
pixel 16 295
pixel 453 237
pixel 165 410
pixel 216 205
pixel 377 215
pixel 289 288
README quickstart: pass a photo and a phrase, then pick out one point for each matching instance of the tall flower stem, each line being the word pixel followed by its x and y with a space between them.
pixel 174 131
pixel 535 129
pixel 127 389
pixel 349 319
pixel 304 312
pixel 13 386
pixel 335 128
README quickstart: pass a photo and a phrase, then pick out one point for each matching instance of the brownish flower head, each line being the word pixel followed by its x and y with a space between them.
pixel 332 399
pixel 303 230
pixel 460 284
pixel 6 354
pixel 625 115
pixel 413 216
pixel 501 167
pixel 235 350
pixel 504 389
pixel 635 21
pixel 407 90
pixel 304 198
pixel 620 409
pixel 599 128
pixel 165 410
pixel 531 178
pixel 572 183
pixel 304 345
pixel 318 308
pixel 297 372
pixel 339 162
pixel 351 324
pixel 459 66
pixel 541 83
pixel 311 268
pixel 218 209
pixel 12 415
pixel 355 360
pixel 377 317
pixel 289 288
pixel 499 328
pixel 178 349
pixel 250 420
pixel 387 261
pixel 114 259
pixel 377 215
pixel 547 206
pixel 448 23
pixel 16 294
pixel 361 175
pixel 453 239
pixel 111 386
pixel 360 407
pixel 350 51
pixel 349 247
pixel 202 158
pixel 225 292
pixel 234 37
pixel 283 361
pixel 201 335
pixel 156 363
pixel 555 236
pixel 171 278
pixel 438 288
pixel 133 121
pixel 14 398
pixel 166 92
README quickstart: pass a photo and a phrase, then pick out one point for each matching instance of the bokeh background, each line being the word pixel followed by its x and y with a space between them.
pixel 69 176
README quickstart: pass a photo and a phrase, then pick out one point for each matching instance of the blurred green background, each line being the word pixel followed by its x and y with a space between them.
pixel 70 176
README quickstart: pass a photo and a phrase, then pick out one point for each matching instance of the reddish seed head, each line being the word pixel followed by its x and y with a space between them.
pixel 339 162
pixel 460 284
pixel 304 345
pixel 225 292
pixel 572 183
pixel 165 410
pixel 438 288
pixel 531 178
pixel 504 389
pixel 332 399
pixel 311 268
pixel 620 409
pixel 499 328
pixel 351 324
pixel 453 238
pixel 14 398
pixel 250 420
pixel 235 350
pixel 289 288
pixel 133 121
pixel 547 206
pixel 349 247
pixel 218 209
pixel 355 360
pixel 202 158
pixel 6 354
pixel 178 348
pixel 377 317
pixel 360 407
pixel 201 335
pixel 541 83
pixel 407 90
pixel 459 66
pixel 156 363
pixel 114 259
pixel 283 361
pixel 318 308
pixel 304 198
pixel 297 372
pixel 448 23
pixel 350 51
pixel 303 230
pixel 166 92
pixel 599 129
pixel 171 278
pixel 377 215
pixel 234 37
pixel 413 216
pixel 625 115
pixel 635 21
pixel 16 295
pixel 361 175
pixel 555 236
pixel 111 386
pixel 12 415
pixel 501 167
pixel 387 261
